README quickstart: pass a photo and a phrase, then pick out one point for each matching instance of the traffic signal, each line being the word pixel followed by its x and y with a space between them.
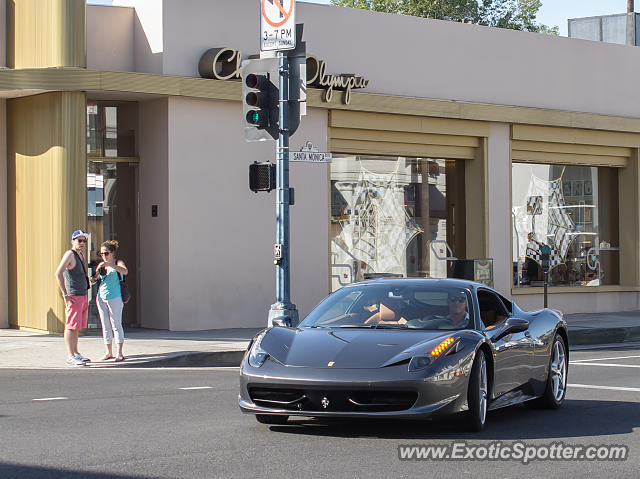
pixel 260 99
pixel 262 176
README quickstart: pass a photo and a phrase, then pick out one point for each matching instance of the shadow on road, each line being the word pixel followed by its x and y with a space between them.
pixel 607 347
pixel 576 418
pixel 18 471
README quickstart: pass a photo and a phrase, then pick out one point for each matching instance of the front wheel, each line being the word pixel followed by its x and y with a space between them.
pixel 271 419
pixel 478 393
pixel 557 378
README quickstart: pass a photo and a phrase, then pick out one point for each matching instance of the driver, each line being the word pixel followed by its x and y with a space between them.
pixel 457 303
pixel 457 316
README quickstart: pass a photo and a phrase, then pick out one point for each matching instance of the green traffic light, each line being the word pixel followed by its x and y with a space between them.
pixel 257 118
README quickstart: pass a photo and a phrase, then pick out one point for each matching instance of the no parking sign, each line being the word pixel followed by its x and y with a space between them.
pixel 277 25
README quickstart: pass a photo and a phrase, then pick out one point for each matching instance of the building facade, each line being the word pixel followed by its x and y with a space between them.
pixel 467 142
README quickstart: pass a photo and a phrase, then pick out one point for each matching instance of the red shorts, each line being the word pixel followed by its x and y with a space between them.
pixel 77 311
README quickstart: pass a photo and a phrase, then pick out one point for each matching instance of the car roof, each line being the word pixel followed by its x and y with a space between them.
pixel 445 282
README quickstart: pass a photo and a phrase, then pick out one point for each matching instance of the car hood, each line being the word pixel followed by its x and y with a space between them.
pixel 347 348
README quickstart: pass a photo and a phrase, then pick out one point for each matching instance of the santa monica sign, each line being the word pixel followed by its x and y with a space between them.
pixel 224 64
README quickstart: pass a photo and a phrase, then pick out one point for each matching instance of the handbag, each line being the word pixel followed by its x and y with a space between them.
pixel 124 289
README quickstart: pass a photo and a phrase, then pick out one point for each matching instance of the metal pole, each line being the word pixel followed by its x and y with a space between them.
pixel 283 307
pixel 546 282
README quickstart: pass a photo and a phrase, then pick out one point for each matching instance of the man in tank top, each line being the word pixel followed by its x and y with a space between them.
pixel 74 282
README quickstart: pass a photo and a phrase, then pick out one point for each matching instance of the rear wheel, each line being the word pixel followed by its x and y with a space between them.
pixel 557 378
pixel 271 419
pixel 478 393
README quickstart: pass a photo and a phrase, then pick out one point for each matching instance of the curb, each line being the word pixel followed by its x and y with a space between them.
pixel 604 336
pixel 197 359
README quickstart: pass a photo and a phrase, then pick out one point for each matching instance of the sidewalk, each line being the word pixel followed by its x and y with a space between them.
pixel 603 328
pixel 142 348
pixel 225 347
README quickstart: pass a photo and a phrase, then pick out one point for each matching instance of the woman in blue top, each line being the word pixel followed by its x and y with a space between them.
pixel 109 299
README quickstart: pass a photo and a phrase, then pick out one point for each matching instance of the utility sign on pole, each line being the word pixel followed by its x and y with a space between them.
pixel 277 25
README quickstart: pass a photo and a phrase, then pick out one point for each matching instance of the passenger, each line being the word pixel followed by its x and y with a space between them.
pixel 385 314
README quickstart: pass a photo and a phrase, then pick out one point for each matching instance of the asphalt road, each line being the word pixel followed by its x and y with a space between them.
pixel 90 423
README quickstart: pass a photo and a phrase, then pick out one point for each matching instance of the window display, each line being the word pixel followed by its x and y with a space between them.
pixel 573 210
pixel 385 214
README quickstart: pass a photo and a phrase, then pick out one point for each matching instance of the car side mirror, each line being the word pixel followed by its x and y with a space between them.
pixel 284 322
pixel 510 326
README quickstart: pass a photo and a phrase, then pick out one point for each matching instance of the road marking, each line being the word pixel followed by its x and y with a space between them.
pixel 612 388
pixel 605 359
pixel 196 387
pixel 50 399
pixel 606 365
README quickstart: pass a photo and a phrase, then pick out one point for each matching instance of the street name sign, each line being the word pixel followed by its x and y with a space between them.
pixel 310 156
pixel 277 25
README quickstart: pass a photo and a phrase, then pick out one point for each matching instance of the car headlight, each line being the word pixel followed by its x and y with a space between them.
pixel 257 355
pixel 447 346
pixel 419 362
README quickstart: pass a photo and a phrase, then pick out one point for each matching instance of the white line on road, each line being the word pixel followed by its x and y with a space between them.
pixel 613 388
pixel 605 359
pixel 606 365
pixel 50 399
pixel 196 387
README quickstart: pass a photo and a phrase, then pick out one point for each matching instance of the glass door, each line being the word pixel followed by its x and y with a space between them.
pixel 113 215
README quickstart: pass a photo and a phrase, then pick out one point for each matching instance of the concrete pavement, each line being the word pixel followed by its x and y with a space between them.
pixel 225 347
pixel 142 348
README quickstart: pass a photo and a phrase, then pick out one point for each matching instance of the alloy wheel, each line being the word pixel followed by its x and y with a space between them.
pixel 558 370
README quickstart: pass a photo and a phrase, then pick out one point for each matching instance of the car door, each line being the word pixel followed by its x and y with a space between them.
pixel 513 353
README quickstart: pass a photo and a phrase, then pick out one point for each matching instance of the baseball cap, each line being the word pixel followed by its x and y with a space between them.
pixel 78 233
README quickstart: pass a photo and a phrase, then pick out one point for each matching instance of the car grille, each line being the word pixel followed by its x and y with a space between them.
pixel 332 400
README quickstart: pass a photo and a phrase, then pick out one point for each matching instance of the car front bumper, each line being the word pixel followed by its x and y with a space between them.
pixel 325 392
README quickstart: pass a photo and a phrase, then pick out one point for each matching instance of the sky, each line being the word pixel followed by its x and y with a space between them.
pixel 556 12
pixel 552 13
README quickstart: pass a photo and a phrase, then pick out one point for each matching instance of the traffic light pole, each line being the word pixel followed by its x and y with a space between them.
pixel 283 307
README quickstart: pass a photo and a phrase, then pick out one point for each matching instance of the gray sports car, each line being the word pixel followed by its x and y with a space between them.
pixel 407 348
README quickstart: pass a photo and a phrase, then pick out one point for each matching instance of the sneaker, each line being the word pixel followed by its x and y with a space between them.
pixel 73 361
pixel 82 358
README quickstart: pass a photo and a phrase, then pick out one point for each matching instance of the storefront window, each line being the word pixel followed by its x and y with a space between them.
pixel 387 211
pixel 573 210
pixel 111 129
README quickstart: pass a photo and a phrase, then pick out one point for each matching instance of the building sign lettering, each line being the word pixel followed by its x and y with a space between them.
pixel 225 64
pixel 317 76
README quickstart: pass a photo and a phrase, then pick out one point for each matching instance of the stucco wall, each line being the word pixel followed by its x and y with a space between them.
pixel 110 38
pixel 125 37
pixel 420 57
pixel 148 32
pixel 4 318
pixel 222 234
pixel 3 31
pixel 205 166
pixel 499 205
pixel 582 302
pixel 154 232
pixel 309 217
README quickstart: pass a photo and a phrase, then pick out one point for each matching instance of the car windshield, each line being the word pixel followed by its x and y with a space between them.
pixel 389 305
